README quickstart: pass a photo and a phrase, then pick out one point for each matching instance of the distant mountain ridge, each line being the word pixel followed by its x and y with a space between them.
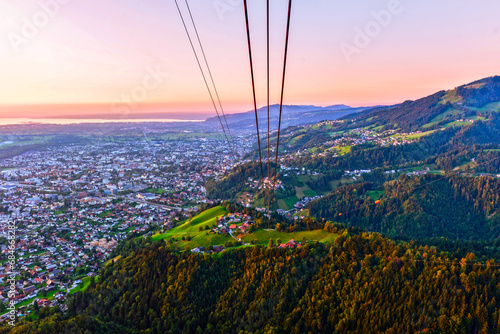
pixel 292 115
pixel 470 101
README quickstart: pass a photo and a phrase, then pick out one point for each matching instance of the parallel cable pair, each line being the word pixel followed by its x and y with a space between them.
pixel 270 200
pixel 227 134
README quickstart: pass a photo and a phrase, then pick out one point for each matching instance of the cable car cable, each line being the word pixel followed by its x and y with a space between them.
pixel 282 95
pixel 254 95
pixel 268 111
pixel 210 74
pixel 203 74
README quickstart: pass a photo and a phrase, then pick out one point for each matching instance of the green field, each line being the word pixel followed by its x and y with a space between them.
pixel 467 166
pixel 51 294
pixel 313 150
pixel 208 217
pixel 304 213
pixel 287 203
pixel 451 97
pixel 310 193
pixel 263 236
pixel 304 191
pixel 375 194
pixel 114 259
pixel 457 123
pixel 259 202
pixel 306 178
pixel 82 287
pixel 440 117
pixel 206 239
pixel 477 118
pixel 322 126
pixel 494 106
pixel 420 135
pixel 295 139
pixel 159 191
pixel 449 112
pixel 415 135
pixel 335 133
pixel 428 125
pixel 343 150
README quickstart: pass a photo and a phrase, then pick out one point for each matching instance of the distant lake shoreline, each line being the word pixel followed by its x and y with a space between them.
pixel 68 121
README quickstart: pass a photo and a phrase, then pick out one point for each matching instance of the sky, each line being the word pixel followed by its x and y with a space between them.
pixel 123 57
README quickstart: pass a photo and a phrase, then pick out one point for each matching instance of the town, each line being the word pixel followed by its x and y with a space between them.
pixel 72 205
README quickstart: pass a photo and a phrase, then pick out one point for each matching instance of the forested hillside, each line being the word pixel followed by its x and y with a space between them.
pixel 430 148
pixel 468 100
pixel 419 207
pixel 361 283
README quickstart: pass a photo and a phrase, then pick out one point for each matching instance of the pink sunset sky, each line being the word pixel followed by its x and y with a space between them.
pixel 88 57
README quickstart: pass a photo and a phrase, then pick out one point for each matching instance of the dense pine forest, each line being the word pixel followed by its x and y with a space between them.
pixel 361 283
pixel 419 207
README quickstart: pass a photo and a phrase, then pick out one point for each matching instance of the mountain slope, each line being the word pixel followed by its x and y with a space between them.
pixel 419 208
pixel 475 99
pixel 363 283
pixel 291 116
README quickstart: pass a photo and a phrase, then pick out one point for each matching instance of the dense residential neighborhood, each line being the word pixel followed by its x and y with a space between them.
pixel 72 206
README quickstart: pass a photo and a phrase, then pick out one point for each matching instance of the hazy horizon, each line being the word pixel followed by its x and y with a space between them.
pixel 145 111
pixel 105 111
pixel 97 111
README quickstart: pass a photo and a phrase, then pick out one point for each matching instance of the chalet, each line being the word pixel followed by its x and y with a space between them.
pixel 290 244
pixel 42 302
pixel 198 250
pixel 244 227
pixel 59 296
pixel 218 249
